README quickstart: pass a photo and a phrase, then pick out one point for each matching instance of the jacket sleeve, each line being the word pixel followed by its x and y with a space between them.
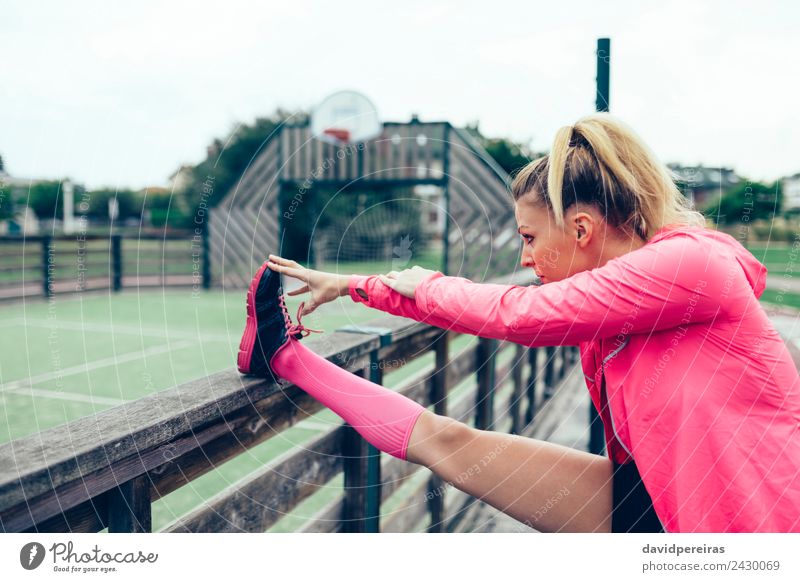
pixel 658 286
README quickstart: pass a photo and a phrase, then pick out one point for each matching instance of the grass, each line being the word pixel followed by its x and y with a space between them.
pixel 778 297
pixel 778 258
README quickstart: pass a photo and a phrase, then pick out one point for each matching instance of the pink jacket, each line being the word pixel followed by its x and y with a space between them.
pixel 689 375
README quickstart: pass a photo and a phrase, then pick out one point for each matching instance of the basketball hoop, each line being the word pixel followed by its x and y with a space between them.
pixel 342 135
pixel 345 117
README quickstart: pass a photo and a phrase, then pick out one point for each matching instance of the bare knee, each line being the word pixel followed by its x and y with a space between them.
pixel 435 438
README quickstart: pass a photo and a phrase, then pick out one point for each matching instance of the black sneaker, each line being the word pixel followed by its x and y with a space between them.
pixel 268 326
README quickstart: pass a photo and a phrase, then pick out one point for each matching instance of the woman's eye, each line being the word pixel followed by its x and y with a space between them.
pixel 528 238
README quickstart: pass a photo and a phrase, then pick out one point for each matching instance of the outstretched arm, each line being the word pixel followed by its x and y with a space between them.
pixel 658 286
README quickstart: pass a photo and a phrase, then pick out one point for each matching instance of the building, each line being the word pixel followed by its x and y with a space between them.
pixel 791 192
pixel 701 185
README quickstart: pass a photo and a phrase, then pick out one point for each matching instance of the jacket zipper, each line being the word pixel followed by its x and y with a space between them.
pixel 611 413
pixel 608 400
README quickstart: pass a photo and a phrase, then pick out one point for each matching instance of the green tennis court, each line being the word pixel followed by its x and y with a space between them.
pixel 77 355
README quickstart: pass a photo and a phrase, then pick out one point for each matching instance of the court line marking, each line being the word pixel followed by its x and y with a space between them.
pixel 97 364
pixel 80 326
pixel 72 396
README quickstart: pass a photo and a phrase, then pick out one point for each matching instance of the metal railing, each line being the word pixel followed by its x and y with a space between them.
pixel 42 266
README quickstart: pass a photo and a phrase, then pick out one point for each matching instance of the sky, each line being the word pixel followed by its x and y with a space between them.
pixel 121 94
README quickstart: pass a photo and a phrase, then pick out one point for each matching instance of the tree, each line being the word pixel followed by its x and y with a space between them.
pixel 510 155
pixel 45 198
pixel 747 201
pixel 95 204
pixel 228 158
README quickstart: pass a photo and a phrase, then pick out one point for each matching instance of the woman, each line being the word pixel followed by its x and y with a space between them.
pixel 699 397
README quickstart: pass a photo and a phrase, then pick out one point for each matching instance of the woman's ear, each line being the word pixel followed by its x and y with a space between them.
pixel 583 227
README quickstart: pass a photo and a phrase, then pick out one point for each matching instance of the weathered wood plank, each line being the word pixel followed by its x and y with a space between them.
pixel 327 520
pixel 43 463
pixel 258 502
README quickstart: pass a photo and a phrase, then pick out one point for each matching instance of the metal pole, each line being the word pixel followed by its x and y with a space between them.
pixel 603 73
pixel 446 192
pixel 597 440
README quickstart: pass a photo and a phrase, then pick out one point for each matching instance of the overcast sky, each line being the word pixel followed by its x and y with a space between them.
pixel 122 93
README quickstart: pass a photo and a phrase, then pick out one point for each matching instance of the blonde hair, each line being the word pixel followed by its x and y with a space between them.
pixel 601 161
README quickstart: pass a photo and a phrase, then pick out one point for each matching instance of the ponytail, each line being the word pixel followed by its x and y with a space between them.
pixel 601 161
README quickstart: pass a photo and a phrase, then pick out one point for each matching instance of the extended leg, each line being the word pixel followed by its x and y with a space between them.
pixel 549 487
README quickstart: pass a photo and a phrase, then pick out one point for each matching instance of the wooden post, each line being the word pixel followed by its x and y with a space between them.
pixel 549 371
pixel 129 509
pixel 484 403
pixel 47 266
pixel 372 499
pixel 533 358
pixel 116 262
pixel 362 463
pixel 354 453
pixel 438 396
pixel 206 255
pixel 518 390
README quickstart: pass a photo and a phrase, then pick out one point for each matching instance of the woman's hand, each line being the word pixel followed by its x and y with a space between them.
pixel 324 287
pixel 405 282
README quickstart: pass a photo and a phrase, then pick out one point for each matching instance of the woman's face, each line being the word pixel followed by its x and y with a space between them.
pixel 554 253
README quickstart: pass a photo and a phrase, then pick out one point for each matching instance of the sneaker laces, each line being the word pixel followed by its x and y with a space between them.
pixel 291 328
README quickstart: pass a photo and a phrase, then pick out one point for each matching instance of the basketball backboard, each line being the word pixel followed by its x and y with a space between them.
pixel 345 117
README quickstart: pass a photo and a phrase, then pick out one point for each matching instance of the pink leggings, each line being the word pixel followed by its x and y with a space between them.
pixel 383 417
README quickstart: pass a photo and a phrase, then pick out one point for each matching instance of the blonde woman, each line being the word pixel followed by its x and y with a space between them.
pixel 699 397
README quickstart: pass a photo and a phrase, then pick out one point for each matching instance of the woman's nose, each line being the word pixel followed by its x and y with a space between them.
pixel 527 259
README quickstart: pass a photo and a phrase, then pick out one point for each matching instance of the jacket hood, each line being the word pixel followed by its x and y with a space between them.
pixel 753 269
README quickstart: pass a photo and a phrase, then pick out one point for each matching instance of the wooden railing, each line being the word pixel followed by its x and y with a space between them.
pixel 42 266
pixel 105 471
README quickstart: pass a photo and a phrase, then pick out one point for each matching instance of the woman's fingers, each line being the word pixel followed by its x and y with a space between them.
pixel 285 262
pixel 388 281
pixel 300 273
pixel 303 289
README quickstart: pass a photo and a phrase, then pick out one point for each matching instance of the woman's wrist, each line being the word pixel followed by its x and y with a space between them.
pixel 343 285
